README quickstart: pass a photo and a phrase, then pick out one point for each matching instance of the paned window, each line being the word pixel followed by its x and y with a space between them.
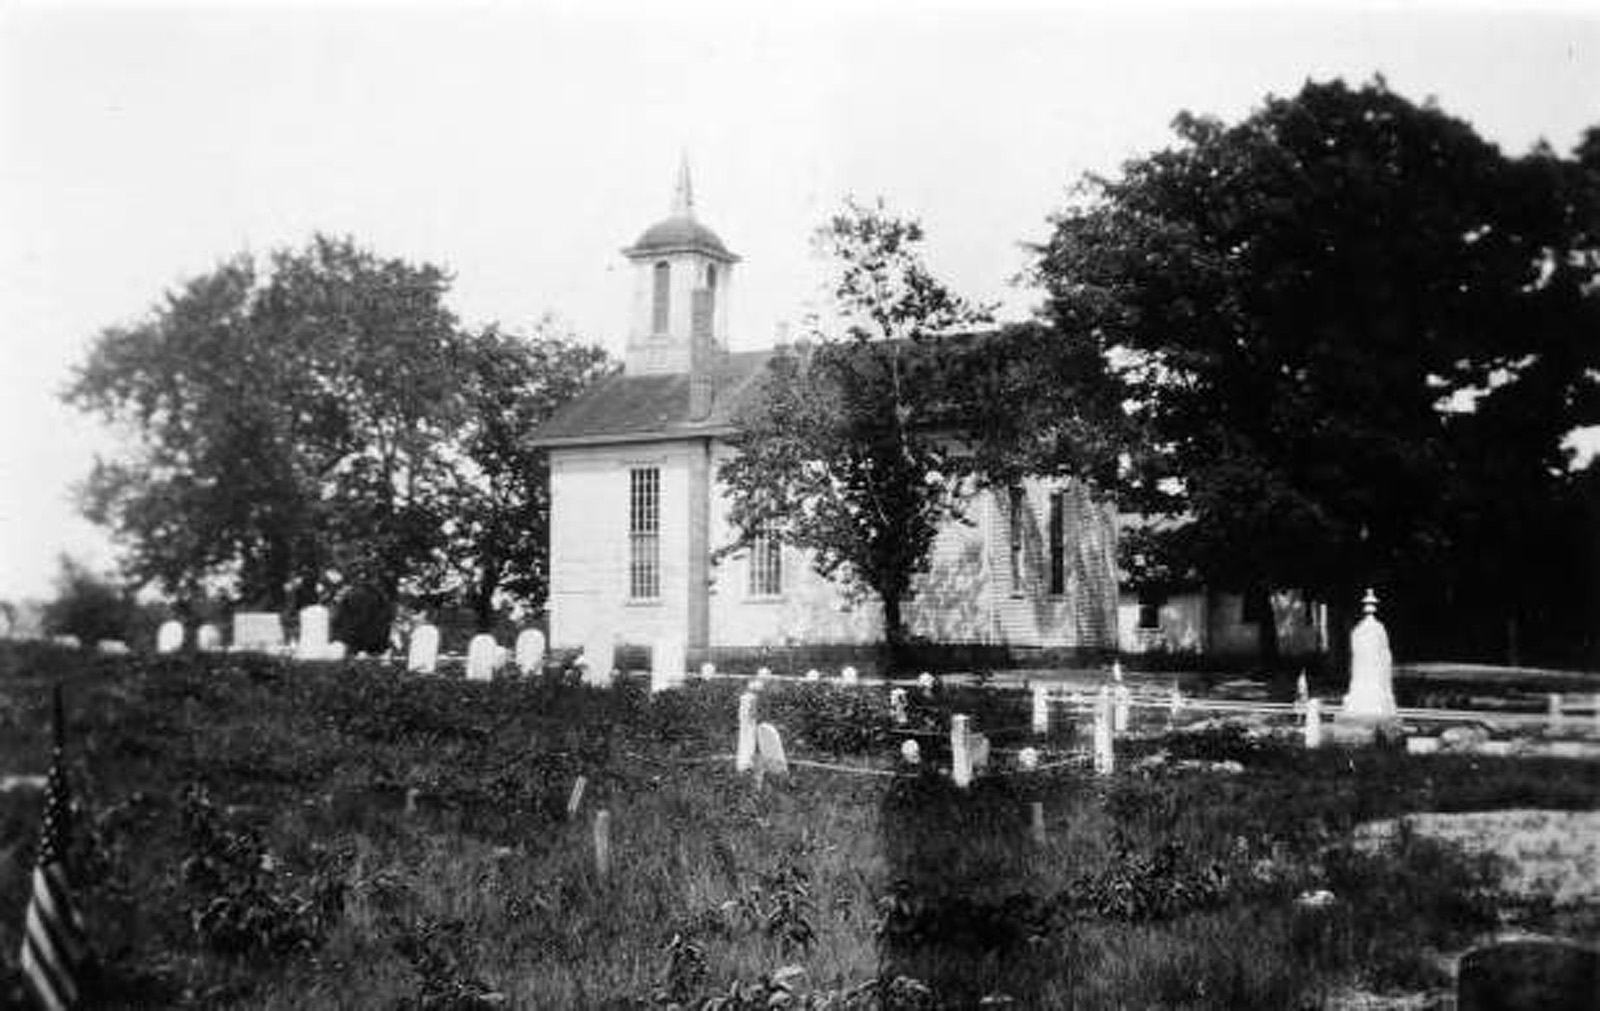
pixel 1058 545
pixel 766 565
pixel 644 533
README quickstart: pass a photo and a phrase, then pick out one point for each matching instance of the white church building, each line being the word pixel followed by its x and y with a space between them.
pixel 637 514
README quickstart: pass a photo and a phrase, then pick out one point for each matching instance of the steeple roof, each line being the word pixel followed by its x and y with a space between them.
pixel 680 231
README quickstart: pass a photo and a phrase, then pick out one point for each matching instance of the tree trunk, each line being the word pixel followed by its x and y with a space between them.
pixel 894 633
pixel 1266 625
pixel 483 597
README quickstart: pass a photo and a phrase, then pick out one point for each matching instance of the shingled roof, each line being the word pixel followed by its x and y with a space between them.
pixel 624 408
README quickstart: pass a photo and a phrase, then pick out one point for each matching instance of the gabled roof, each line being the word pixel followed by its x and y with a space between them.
pixel 654 408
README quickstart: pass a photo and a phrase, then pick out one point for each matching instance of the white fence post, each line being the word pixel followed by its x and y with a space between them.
pixel 745 754
pixel 1105 761
pixel 960 752
pixel 1313 727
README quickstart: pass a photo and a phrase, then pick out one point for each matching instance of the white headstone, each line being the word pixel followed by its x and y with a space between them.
pixel 482 652
pixel 979 750
pixel 1116 671
pixel 762 673
pixel 708 669
pixel 667 664
pixel 1041 709
pixel 925 683
pixel 422 656
pixel 69 641
pixel 257 630
pixel 813 675
pixel 1313 728
pixel 1301 690
pixel 313 644
pixel 769 750
pixel 111 647
pixel 335 650
pixel 848 675
pixel 910 752
pixel 1104 754
pixel 897 706
pixel 960 751
pixel 599 654
pixel 1124 702
pixel 207 638
pixel 1371 694
pixel 530 651
pixel 744 752
pixel 1028 758
pixel 169 637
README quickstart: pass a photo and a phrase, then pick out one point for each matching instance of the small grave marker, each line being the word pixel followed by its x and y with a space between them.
pixel 1041 709
pixel 208 638
pixel 745 751
pixel 910 752
pixel 897 706
pixel 575 798
pixel 422 657
pixel 960 751
pixel 1124 703
pixel 848 675
pixel 313 643
pixel 602 844
pixel 530 651
pixel 668 663
pixel 1104 754
pixel 169 638
pixel 769 751
pixel 482 652
pixel 1313 727
pixel 261 631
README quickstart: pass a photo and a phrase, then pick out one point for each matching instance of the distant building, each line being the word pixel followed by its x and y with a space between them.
pixel 637 512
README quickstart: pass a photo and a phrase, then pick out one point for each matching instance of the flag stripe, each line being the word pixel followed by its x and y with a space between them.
pixel 47 938
pixel 41 978
pixel 50 886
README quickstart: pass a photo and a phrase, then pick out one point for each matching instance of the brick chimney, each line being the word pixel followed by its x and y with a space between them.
pixel 702 355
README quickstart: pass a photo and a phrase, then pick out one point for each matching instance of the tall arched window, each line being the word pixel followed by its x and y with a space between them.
pixel 662 297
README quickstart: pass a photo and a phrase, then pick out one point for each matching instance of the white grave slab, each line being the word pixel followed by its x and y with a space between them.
pixel 422 656
pixel 208 638
pixel 744 751
pixel 668 664
pixel 769 750
pixel 313 644
pixel 169 637
pixel 599 658
pixel 482 655
pixel 111 647
pixel 530 651
pixel 261 631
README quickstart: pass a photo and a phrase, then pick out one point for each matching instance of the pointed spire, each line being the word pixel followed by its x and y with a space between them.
pixel 683 196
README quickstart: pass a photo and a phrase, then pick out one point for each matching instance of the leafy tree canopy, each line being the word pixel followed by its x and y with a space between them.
pixel 845 455
pixel 314 428
pixel 1337 340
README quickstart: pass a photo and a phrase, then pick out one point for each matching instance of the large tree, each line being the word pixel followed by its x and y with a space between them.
pixel 1308 328
pixel 313 432
pixel 847 454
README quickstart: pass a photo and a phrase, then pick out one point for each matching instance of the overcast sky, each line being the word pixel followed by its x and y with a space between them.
pixel 523 146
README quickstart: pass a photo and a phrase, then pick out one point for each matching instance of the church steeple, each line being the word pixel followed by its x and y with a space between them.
pixel 683 195
pixel 682 275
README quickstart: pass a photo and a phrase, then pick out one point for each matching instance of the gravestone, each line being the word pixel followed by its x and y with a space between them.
pixel 813 675
pixel 978 751
pixel 260 631
pixel 599 656
pixel 207 638
pixel 169 637
pixel 1529 974
pixel 897 706
pixel 530 651
pixel 1313 727
pixel 1124 699
pixel 960 751
pixel 668 663
pixel 708 670
pixel 111 647
pixel 848 675
pixel 1104 753
pixel 422 656
pixel 66 641
pixel 744 751
pixel 769 750
pixel 925 683
pixel 1371 694
pixel 482 654
pixel 334 650
pixel 1028 758
pixel 910 752
pixel 313 643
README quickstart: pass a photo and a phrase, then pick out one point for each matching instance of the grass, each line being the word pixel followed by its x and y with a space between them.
pixel 259 834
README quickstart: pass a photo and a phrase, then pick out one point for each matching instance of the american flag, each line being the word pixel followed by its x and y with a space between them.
pixel 53 947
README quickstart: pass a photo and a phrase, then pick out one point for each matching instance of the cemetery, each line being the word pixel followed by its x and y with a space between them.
pixel 276 823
